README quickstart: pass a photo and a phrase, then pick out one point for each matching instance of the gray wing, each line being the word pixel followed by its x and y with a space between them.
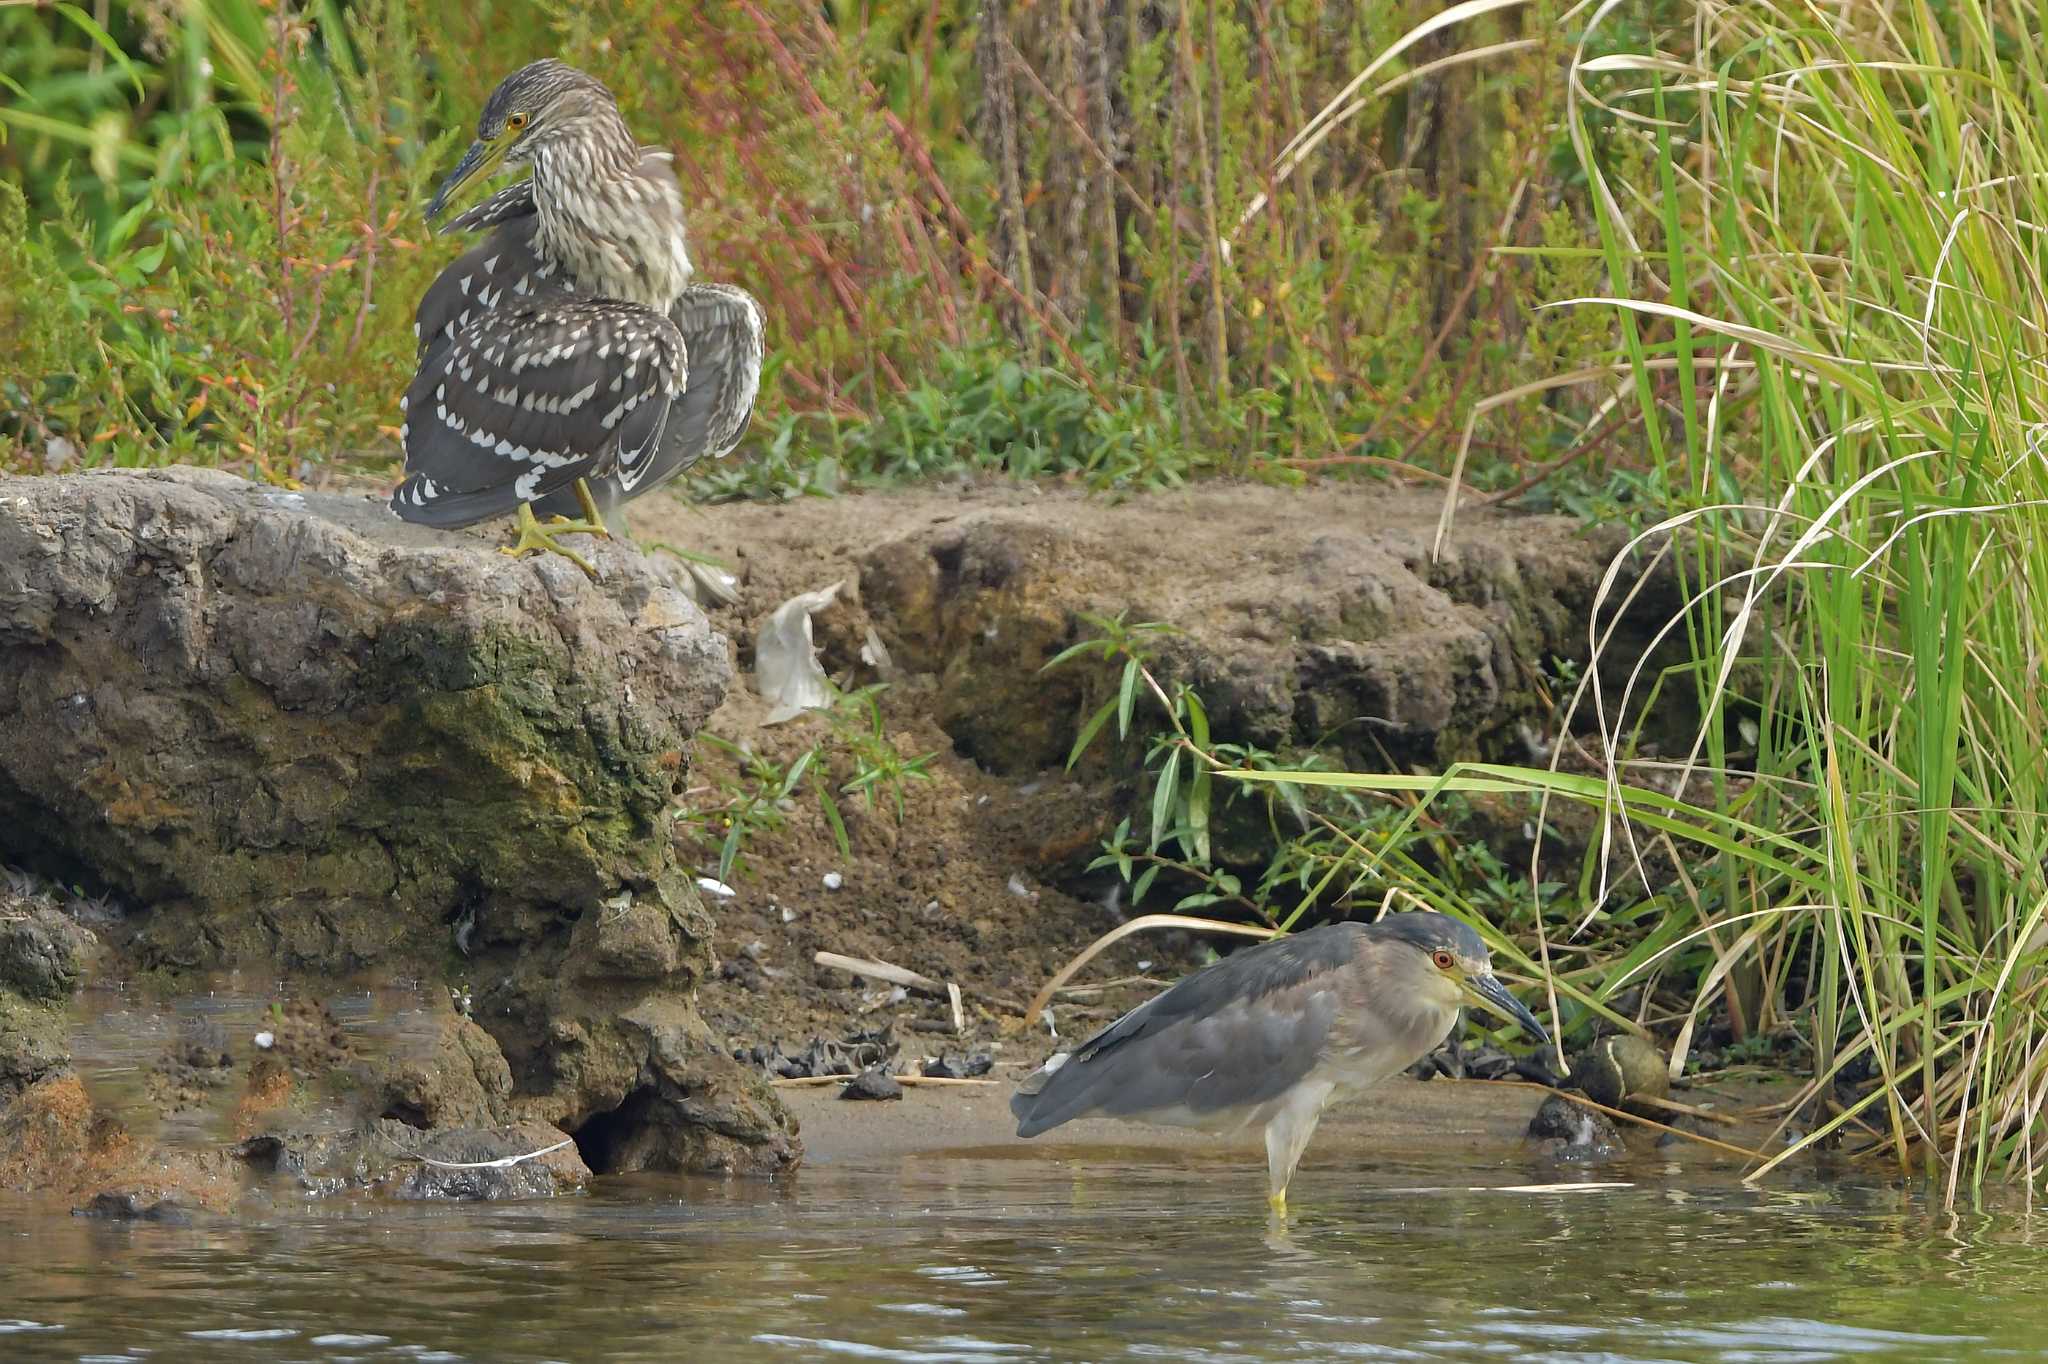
pixel 1232 1035
pixel 721 328
pixel 501 270
pixel 524 399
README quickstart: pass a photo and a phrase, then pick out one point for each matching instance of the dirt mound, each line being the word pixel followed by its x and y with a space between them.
pixel 1303 618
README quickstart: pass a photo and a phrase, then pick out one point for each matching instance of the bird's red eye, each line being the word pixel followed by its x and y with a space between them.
pixel 1444 960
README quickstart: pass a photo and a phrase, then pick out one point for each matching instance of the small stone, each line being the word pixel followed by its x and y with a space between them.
pixel 873 1083
pixel 833 880
pixel 1623 1071
pixel 265 1040
pixel 950 1067
pixel 131 1207
pixel 717 888
pixel 43 955
pixel 788 915
pixel 1575 1133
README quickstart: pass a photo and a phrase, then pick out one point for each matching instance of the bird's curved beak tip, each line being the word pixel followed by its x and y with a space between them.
pixel 1489 990
pixel 478 159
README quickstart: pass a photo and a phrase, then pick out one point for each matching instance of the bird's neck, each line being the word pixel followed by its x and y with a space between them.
pixel 613 215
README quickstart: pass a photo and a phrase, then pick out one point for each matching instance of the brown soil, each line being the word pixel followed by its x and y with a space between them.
pixel 980 881
pixel 936 891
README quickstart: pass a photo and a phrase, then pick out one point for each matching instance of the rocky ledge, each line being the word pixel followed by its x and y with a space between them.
pixel 292 752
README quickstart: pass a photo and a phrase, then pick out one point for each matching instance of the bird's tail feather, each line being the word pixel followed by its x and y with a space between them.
pixel 420 500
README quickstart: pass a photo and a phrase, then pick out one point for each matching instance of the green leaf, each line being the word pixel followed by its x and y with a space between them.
pixel 729 852
pixel 124 227
pixel 1197 836
pixel 1088 733
pixel 85 24
pixel 1162 797
pixel 1127 699
pixel 1144 882
pixel 1072 651
pixel 796 773
pixel 832 818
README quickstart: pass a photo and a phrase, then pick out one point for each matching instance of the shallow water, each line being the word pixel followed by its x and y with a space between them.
pixel 983 1259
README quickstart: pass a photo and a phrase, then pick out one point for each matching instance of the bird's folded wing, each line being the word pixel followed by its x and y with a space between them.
pixel 721 328
pixel 526 399
pixel 501 271
pixel 1231 1036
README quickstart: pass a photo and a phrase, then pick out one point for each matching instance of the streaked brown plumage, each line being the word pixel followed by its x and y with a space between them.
pixel 569 354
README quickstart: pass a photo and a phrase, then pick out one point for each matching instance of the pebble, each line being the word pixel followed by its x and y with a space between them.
pixel 1574 1133
pixel 872 1083
pixel 951 1067
pixel 266 1040
pixel 711 886
pixel 833 880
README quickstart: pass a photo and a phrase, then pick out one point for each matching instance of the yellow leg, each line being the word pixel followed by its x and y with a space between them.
pixel 534 536
pixel 1287 1137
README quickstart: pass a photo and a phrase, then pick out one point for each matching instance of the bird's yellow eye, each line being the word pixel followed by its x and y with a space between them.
pixel 1444 960
pixel 515 123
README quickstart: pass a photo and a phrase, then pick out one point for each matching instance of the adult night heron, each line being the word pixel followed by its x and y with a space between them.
pixel 568 362
pixel 1273 1034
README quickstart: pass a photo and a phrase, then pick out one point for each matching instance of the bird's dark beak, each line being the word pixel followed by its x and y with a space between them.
pixel 481 158
pixel 1488 990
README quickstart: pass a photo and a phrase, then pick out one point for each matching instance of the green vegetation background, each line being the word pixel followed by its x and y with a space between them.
pixel 983 235
pixel 1773 271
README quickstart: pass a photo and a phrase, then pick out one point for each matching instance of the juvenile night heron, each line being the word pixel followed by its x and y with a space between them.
pixel 1273 1034
pixel 568 362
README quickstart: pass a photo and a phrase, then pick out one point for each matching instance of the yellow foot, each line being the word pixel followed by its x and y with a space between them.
pixel 1278 1203
pixel 534 536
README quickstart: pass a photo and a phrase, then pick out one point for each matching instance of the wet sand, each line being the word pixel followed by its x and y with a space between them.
pixel 1484 1117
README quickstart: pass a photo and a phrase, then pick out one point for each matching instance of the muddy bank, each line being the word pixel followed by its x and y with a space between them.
pixel 1477 1127
pixel 387 845
pixel 1314 619
pixel 285 745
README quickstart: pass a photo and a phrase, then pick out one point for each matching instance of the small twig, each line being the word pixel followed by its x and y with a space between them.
pixel 1377 461
pixel 1689 1110
pixel 1572 456
pixel 1072 991
pixel 355 336
pixel 504 1164
pixel 1088 144
pixel 1124 930
pixel 882 970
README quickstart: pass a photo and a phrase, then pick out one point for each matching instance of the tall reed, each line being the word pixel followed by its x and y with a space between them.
pixel 1822 227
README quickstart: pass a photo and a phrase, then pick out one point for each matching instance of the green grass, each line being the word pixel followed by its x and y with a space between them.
pixel 212 246
pixel 1831 220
